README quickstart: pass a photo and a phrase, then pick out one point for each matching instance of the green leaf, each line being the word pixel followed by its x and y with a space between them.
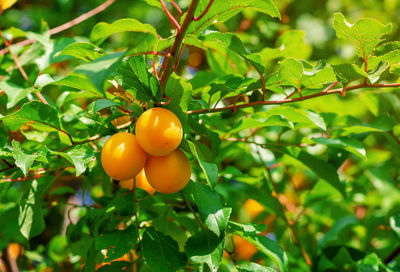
pixel 251 267
pixel 269 248
pixel 349 144
pixel 117 243
pixel 36 114
pixel 348 72
pixel 161 252
pixel 101 104
pixel 102 31
pixel 247 229
pixel 322 169
pixel 205 247
pixel 81 50
pixel 291 72
pixel 99 70
pixel 213 213
pixel 210 169
pixel 58 248
pixel 179 91
pixel 24 161
pixel 221 10
pixel 336 229
pixel 294 115
pixel 365 34
pixel 14 92
pixel 31 215
pixel 135 78
pixel 79 156
pixel 395 223
pixel 76 81
pixel 380 124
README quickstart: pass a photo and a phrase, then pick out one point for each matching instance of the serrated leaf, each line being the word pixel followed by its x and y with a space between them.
pixel 213 213
pixel 349 144
pixel 81 50
pixel 205 247
pixel 35 114
pixel 395 223
pixel 291 72
pixel 24 161
pixel 269 248
pixel 117 243
pixel 222 10
pixel 79 156
pixel 381 124
pixel 348 72
pixel 365 34
pixel 210 170
pixel 161 252
pixel 135 78
pixel 102 31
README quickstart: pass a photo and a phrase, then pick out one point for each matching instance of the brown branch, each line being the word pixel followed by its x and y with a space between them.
pixel 67 25
pixel 394 137
pixel 204 12
pixel 171 18
pixel 291 100
pixel 169 62
pixel 177 7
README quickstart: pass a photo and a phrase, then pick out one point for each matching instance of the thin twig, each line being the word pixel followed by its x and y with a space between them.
pixel 204 12
pixel 291 100
pixel 177 7
pixel 174 52
pixel 394 137
pixel 171 18
pixel 91 139
pixel 67 25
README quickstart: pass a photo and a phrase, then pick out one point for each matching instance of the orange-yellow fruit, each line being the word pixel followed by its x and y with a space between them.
pixel 253 208
pixel 122 157
pixel 244 250
pixel 159 131
pixel 168 174
pixel 141 182
pixel 15 250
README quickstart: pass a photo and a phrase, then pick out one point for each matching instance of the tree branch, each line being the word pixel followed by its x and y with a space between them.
pixel 204 12
pixel 67 25
pixel 171 18
pixel 174 52
pixel 291 100
pixel 196 216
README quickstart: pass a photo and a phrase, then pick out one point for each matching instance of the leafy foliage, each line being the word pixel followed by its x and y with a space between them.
pixel 292 134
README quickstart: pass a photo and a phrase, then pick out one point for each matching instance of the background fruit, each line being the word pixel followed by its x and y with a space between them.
pixel 159 131
pixel 253 208
pixel 141 182
pixel 122 157
pixel 168 174
pixel 244 250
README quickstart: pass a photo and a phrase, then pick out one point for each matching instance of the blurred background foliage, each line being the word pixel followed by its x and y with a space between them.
pixel 341 234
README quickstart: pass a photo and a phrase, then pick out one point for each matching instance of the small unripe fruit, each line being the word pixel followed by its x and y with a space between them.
pixel 141 182
pixel 168 174
pixel 158 131
pixel 122 157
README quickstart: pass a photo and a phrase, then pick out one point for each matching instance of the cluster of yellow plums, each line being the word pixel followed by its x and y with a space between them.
pixel 150 159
